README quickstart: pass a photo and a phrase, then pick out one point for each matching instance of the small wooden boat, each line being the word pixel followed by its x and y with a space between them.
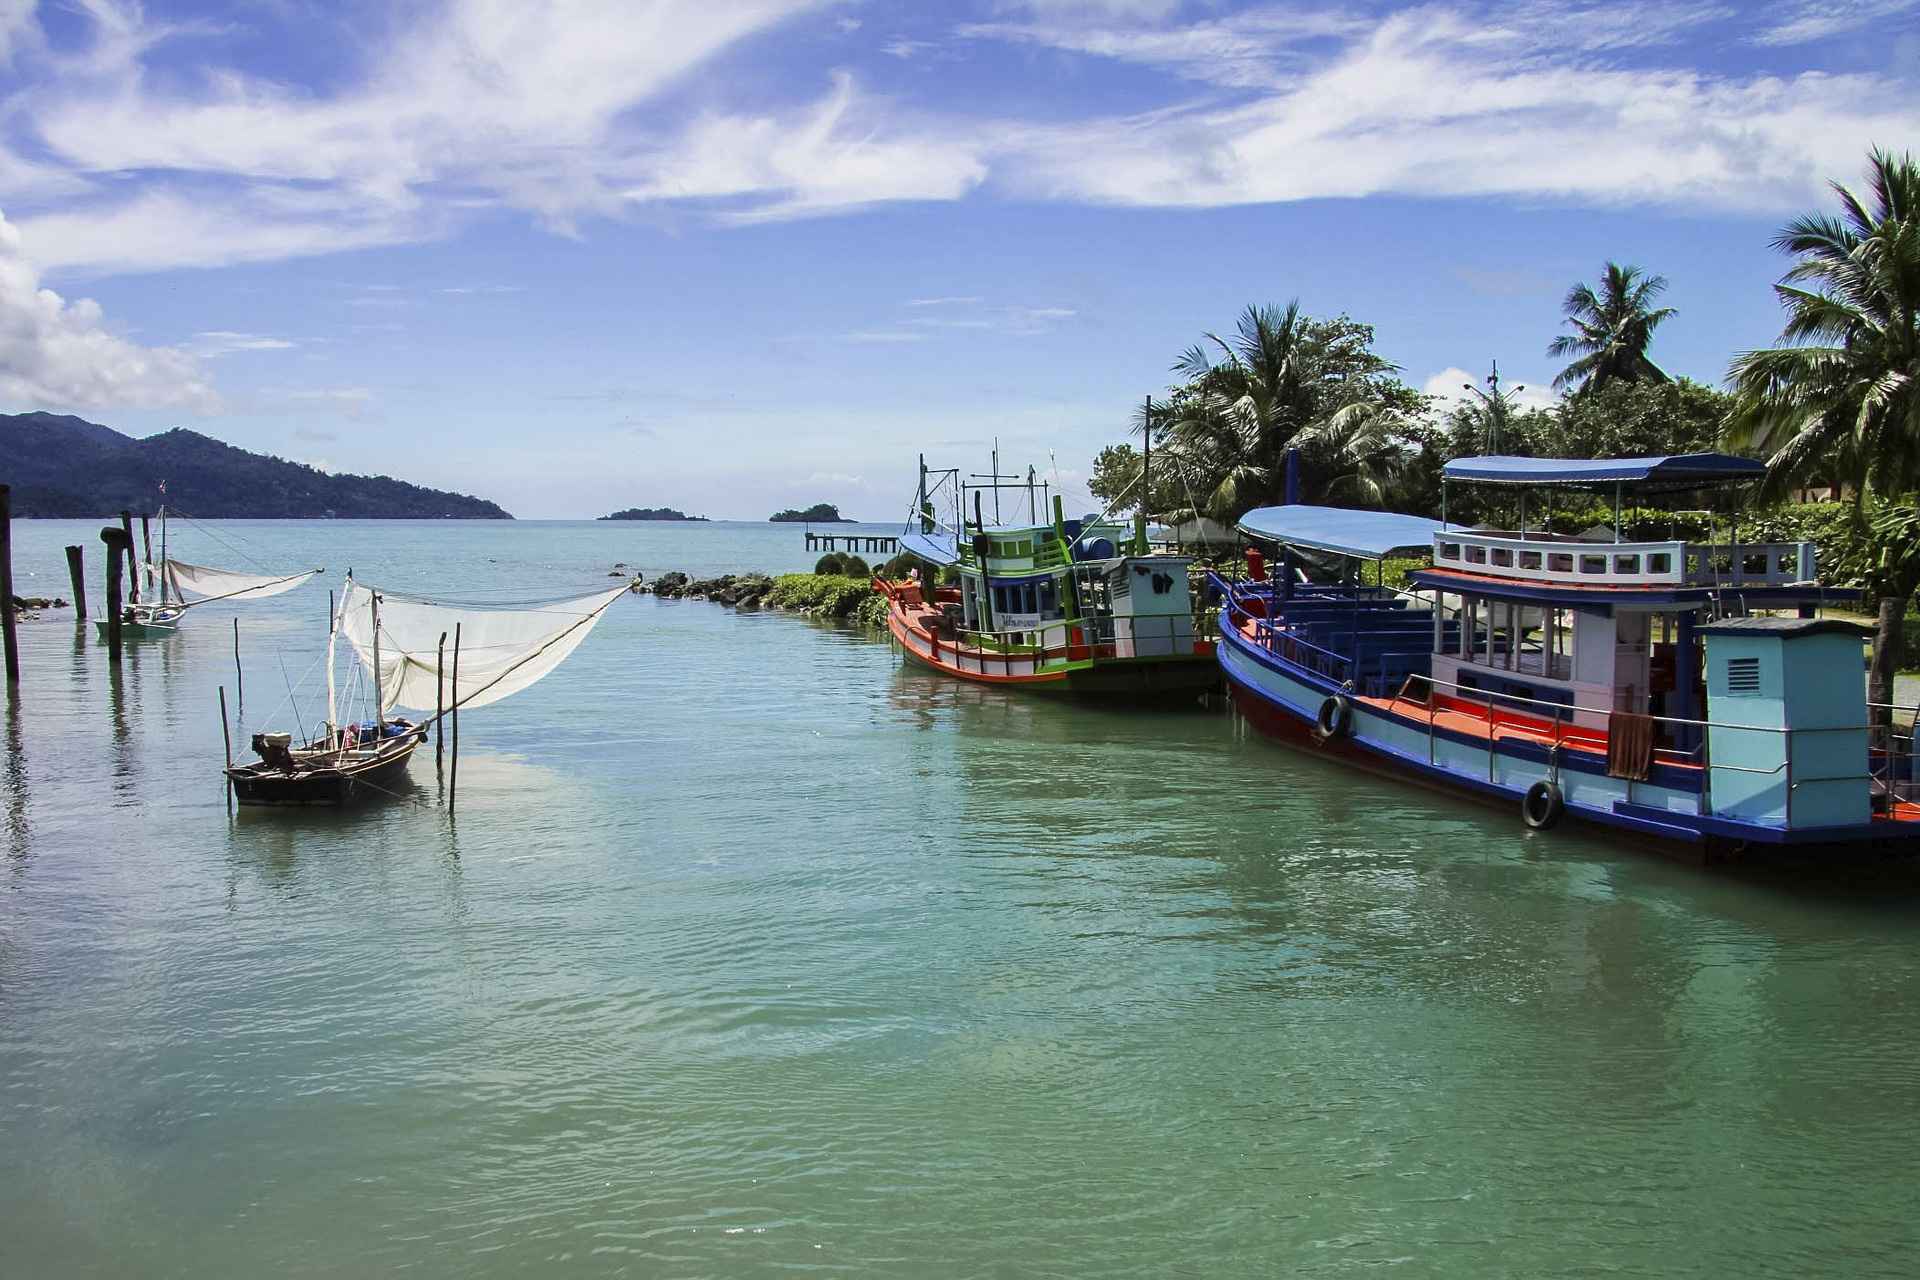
pixel 403 652
pixel 337 768
pixel 183 586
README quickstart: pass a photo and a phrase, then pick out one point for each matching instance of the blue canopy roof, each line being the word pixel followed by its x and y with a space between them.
pixel 1688 469
pixel 935 548
pixel 1372 535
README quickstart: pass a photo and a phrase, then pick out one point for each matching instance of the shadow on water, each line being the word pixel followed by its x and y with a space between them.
pixel 13 768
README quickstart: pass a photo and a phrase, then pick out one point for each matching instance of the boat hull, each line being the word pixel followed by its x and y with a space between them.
pixel 1134 678
pixel 339 780
pixel 1396 739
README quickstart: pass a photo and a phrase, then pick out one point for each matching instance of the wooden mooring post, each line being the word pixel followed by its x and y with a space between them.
pixel 77 570
pixel 126 548
pixel 9 640
pixel 119 545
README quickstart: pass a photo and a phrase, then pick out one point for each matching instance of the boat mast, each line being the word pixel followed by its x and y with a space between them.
pixel 379 687
pixel 1146 471
pixel 333 630
pixel 163 555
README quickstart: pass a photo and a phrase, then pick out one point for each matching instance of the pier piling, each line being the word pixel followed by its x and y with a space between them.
pixel 9 641
pixel 119 547
pixel 77 570
pixel 126 549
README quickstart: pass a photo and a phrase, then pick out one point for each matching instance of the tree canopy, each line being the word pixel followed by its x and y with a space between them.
pixel 1612 329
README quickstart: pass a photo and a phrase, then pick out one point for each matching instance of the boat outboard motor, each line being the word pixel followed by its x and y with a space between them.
pixel 275 749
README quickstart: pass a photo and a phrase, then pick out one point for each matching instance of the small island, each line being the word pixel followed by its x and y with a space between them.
pixel 651 513
pixel 819 513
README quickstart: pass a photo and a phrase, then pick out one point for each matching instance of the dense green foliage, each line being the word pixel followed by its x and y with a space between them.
pixel 68 468
pixel 844 564
pixel 1837 403
pixel 825 595
pixel 819 513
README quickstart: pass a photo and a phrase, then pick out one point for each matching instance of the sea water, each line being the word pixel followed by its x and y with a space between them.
pixel 748 950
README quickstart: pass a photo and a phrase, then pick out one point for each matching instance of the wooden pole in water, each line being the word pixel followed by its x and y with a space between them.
pixel 226 738
pixel 453 774
pixel 126 549
pixel 239 677
pixel 77 570
pixel 116 540
pixel 439 701
pixel 146 543
pixel 9 641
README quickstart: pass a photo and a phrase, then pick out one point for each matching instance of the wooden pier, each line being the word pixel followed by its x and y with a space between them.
pixel 853 541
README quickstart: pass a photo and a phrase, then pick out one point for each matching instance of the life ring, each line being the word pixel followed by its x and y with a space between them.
pixel 1543 806
pixel 1335 719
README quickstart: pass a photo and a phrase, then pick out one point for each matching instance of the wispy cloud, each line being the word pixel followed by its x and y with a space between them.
pixel 216 343
pixel 1805 23
pixel 572 110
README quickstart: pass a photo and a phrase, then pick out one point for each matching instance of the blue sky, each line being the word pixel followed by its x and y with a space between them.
pixel 729 257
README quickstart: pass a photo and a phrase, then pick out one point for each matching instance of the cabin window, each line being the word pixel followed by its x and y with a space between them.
pixel 1789 563
pixel 1503 557
pixel 1754 564
pixel 1626 564
pixel 1529 559
pixel 1593 564
pixel 1476 555
pixel 1660 562
pixel 1743 675
pixel 1559 562
pixel 1449 551
pixel 1026 547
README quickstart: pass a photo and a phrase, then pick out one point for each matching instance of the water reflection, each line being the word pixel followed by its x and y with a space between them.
pixel 13 770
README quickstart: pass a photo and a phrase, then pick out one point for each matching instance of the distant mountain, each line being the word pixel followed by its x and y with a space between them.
pixel 651 513
pixel 62 467
pixel 822 513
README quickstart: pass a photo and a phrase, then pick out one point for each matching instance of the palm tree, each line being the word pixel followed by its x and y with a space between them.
pixel 1839 399
pixel 1248 399
pixel 1612 330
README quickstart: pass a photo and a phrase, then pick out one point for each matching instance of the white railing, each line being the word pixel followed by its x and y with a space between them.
pixel 1616 564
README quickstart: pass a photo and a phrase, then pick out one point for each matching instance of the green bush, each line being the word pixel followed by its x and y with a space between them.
pixel 820 594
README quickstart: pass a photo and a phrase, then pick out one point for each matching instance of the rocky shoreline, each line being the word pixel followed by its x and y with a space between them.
pixel 737 591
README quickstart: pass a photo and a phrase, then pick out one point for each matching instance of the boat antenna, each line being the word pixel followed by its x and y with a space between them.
pixel 1146 468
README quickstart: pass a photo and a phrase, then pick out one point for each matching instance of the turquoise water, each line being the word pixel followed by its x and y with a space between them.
pixel 750 951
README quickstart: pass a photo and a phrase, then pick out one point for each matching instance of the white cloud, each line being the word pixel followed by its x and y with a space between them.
pixel 1434 104
pixel 219 342
pixel 831 155
pixel 56 354
pixel 1805 23
pixel 568 110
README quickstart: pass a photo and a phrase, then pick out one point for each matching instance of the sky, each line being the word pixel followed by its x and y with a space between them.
pixel 735 256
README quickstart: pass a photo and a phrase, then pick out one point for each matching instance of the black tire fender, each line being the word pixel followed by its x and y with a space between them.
pixel 1335 719
pixel 1543 806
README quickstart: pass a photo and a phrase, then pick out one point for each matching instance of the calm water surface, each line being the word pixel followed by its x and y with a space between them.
pixel 751 951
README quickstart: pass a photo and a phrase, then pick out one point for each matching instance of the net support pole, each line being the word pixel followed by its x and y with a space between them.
pixel 239 677
pixel 9 639
pixel 226 740
pixel 440 702
pixel 146 545
pixel 77 570
pixel 453 773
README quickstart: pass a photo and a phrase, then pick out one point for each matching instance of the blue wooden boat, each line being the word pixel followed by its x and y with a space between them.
pixel 1687 696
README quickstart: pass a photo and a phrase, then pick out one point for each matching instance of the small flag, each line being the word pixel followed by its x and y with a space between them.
pixel 163 486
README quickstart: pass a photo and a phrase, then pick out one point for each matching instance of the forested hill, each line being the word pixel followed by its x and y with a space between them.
pixel 64 467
